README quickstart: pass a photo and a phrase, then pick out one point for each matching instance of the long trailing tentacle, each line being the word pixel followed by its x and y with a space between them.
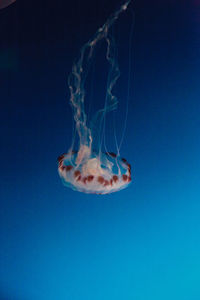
pixel 76 81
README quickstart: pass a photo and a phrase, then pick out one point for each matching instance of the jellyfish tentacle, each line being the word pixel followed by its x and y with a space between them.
pixel 76 81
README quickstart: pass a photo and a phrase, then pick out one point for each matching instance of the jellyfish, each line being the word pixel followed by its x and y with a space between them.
pixel 89 169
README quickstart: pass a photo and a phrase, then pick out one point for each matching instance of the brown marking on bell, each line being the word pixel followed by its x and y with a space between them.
pixel 124 160
pixel 115 178
pixel 124 177
pixel 129 166
pixel 79 178
pixel 60 158
pixel 100 179
pixel 90 178
pixel 77 173
pixel 112 154
pixel 62 168
pixel 111 181
pixel 129 179
pixel 106 182
pixel 84 180
pixel 68 168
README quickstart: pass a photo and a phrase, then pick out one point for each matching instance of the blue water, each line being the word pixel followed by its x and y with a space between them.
pixel 141 243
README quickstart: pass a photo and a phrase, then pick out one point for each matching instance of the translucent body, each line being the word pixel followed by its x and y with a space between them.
pixel 95 175
pixel 89 169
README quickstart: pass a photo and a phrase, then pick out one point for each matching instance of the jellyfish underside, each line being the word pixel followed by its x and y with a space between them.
pixel 90 170
pixel 94 174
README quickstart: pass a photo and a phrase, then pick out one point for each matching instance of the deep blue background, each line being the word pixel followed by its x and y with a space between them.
pixel 142 243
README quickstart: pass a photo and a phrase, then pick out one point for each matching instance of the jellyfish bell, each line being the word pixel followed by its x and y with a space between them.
pixel 102 174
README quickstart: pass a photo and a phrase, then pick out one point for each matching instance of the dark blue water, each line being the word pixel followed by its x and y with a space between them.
pixel 141 243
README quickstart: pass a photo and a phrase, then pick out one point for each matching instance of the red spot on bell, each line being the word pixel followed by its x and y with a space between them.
pixel 79 178
pixel 68 168
pixel 90 178
pixel 115 178
pixel 112 154
pixel 77 173
pixel 60 157
pixel 124 160
pixel 101 179
pixel 124 177
pixel 106 182
pixel 84 180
